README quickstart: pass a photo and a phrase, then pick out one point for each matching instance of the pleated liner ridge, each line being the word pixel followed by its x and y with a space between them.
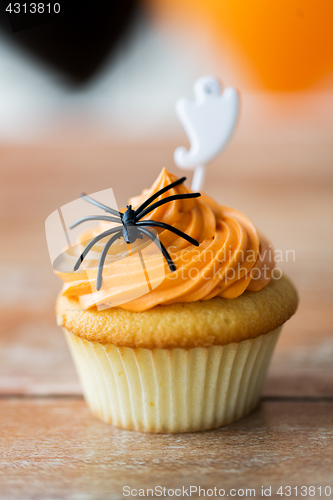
pixel 172 390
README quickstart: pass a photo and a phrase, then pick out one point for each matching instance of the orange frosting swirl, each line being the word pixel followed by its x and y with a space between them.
pixel 231 257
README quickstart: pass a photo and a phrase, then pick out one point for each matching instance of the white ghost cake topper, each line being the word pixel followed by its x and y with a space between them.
pixel 209 122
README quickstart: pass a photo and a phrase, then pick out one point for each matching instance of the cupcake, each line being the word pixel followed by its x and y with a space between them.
pixel 182 343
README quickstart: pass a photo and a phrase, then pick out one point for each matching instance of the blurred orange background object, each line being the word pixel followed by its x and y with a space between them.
pixel 286 44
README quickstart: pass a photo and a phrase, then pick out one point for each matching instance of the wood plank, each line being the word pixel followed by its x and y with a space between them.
pixel 53 448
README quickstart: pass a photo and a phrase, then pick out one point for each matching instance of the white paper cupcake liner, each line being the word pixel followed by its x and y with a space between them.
pixel 172 390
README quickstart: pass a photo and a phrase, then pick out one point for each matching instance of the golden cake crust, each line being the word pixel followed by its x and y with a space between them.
pixel 215 321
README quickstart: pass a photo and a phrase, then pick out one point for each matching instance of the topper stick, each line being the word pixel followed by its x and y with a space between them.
pixel 198 177
pixel 209 122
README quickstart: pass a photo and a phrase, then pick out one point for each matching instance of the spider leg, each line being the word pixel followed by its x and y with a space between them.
pixel 103 257
pixel 165 253
pixel 169 228
pixel 166 200
pixel 92 243
pixel 94 217
pixel 158 193
pixel 100 205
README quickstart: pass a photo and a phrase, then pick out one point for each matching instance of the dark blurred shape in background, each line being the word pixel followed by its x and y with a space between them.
pixel 77 40
pixel 105 69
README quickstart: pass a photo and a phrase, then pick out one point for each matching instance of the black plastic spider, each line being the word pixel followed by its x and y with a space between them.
pixel 131 228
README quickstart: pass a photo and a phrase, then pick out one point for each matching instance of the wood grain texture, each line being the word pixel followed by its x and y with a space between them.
pixel 53 448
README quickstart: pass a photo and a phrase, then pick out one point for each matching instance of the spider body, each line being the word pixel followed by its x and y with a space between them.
pixel 130 230
pixel 132 226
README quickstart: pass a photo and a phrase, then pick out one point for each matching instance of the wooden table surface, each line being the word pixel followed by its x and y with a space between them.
pixel 51 447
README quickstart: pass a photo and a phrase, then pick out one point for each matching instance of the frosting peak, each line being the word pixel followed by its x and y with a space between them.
pixel 231 256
